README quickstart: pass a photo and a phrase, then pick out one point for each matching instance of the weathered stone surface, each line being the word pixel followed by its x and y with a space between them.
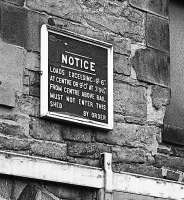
pixel 67 9
pixel 129 155
pixel 14 124
pixel 21 27
pixel 157 6
pixel 160 96
pixel 154 116
pixel 16 2
pixel 118 25
pixel 34 21
pixel 151 66
pixel 157 33
pixel 143 169
pixel 85 161
pixel 169 161
pixel 127 21
pixel 114 8
pixel 111 16
pixel 13 24
pixel 12 143
pixel 45 130
pixel 129 100
pixel 115 16
pixel 121 64
pixel 32 61
pixel 131 135
pixel 5 187
pixel 87 150
pixel 12 128
pixel 49 149
pixel 28 105
pixel 120 44
pixel 74 133
pixel 11 71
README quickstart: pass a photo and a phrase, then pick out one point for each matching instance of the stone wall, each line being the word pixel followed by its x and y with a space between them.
pixel 139 32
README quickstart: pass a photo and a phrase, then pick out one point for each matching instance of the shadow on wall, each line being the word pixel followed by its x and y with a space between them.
pixel 174 117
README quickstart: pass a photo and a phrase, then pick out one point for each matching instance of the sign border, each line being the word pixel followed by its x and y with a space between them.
pixel 45 29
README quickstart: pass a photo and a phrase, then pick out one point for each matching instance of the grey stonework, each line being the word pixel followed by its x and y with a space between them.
pixel 139 33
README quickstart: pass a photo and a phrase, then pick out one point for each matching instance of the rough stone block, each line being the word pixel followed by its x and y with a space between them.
pixel 87 150
pixel 11 72
pixel 130 100
pixel 131 135
pixel 129 155
pixel 151 66
pixel 21 27
pixel 12 128
pixel 157 33
pixel 127 21
pixel 45 130
pixel 119 25
pixel 12 143
pixel 121 64
pixel 67 9
pixel 154 115
pixel 120 45
pixel 84 161
pixel 16 2
pixel 160 96
pixel 7 95
pixel 28 105
pixel 171 162
pixel 74 133
pixel 49 149
pixel 137 168
pixel 115 16
pixel 159 7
